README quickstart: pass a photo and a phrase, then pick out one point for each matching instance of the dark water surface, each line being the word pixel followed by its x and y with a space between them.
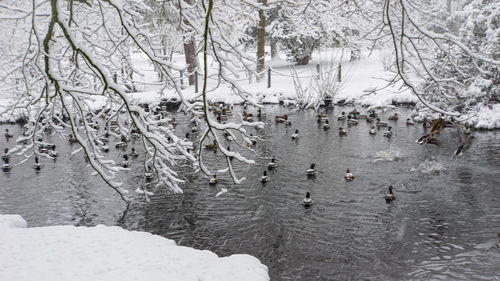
pixel 441 226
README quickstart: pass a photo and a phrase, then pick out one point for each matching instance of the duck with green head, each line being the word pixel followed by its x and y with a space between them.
pixel 5 154
pixel 307 202
pixel 6 165
pixel 295 135
pixel 272 164
pixel 37 164
pixel 312 170
pixel 342 116
pixel 326 126
pixel 264 178
pixel 380 123
pixel 125 162
pixel 388 133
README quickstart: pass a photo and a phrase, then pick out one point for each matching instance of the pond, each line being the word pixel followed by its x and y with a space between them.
pixel 441 226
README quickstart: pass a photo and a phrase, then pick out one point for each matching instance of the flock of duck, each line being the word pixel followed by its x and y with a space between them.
pixel 353 118
pixel 49 150
pixel 221 112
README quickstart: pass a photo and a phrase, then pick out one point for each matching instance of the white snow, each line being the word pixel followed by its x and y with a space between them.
pixel 12 221
pixel 110 253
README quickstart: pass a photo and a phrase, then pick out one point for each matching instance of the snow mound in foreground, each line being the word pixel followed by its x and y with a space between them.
pixel 12 221
pixel 110 253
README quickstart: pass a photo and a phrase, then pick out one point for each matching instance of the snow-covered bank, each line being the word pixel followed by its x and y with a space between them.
pixel 110 253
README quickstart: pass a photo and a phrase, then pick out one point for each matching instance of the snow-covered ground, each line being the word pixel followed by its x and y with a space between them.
pixel 358 77
pixel 364 82
pixel 109 253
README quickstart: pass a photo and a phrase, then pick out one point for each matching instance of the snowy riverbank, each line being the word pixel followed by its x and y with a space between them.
pixel 364 83
pixel 110 253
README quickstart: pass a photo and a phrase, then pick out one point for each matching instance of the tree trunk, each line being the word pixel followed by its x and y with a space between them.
pixel 261 42
pixel 274 49
pixel 189 50
pixel 191 59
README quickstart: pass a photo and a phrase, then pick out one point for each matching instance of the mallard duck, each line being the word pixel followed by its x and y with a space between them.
pixel 394 117
pixel 72 139
pixel 5 154
pixel 149 173
pixel 6 166
pixel 354 111
pixel 361 116
pixel 380 123
pixel 372 114
pixel 348 175
pixel 105 148
pixel 465 144
pixel 125 162
pixel 388 133
pixel 173 122
pixel 213 146
pixel 326 126
pixel 281 118
pixel 307 201
pixel 341 117
pixel 260 114
pixel 426 124
pixel 133 153
pixel 437 125
pixel 253 140
pixel 120 144
pixel 53 153
pixel 295 135
pixel 467 131
pixel 228 136
pixel 322 117
pixel 409 122
pixel 351 121
pixel 429 138
pixel 264 177
pixel 7 134
pixel 221 116
pixel 247 116
pixel 390 196
pixel 37 164
pixel 229 149
pixel 272 164
pixel 214 180
pixel 373 131
pixel 312 171
pixel 342 132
